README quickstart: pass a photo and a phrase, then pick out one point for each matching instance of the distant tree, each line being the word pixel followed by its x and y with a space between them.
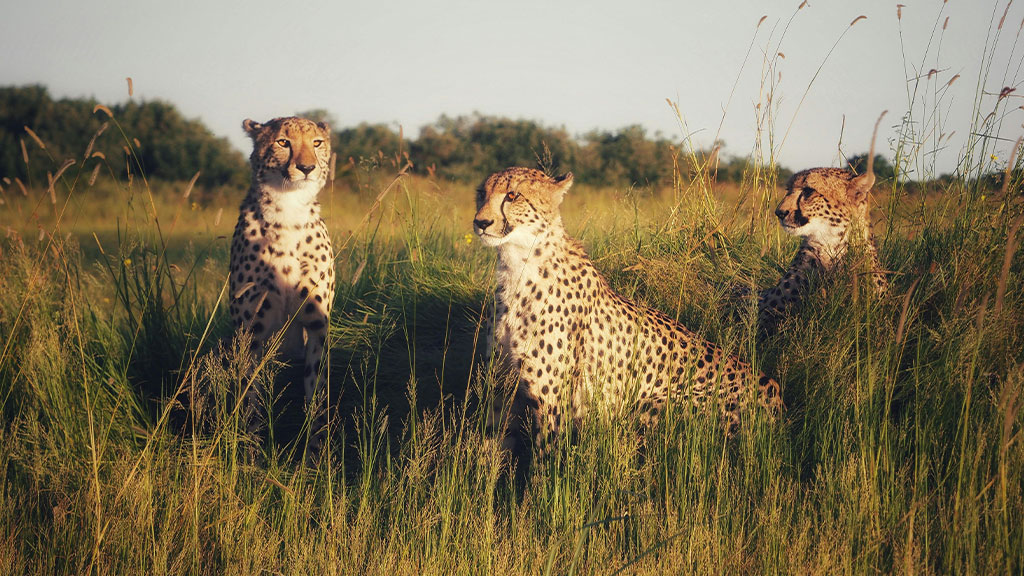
pixel 470 147
pixel 628 157
pixel 319 115
pixel 884 170
pixel 377 144
pixel 169 147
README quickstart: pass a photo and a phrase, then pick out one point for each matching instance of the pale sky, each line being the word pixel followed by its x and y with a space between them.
pixel 577 64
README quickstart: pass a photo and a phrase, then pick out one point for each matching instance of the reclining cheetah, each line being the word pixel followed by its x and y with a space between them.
pixel 569 336
pixel 282 265
pixel 823 206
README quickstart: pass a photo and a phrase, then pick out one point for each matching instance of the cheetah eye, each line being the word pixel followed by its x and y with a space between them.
pixel 512 195
pixel 317 143
pixel 807 192
pixel 283 143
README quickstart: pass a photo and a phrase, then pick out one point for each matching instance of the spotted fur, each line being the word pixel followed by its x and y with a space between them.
pixel 828 209
pixel 282 264
pixel 571 339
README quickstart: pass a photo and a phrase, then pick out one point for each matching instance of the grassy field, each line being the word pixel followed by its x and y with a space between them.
pixel 122 450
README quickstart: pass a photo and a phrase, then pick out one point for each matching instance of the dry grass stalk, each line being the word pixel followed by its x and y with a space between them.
pixel 1004 274
pixel 92 141
pixel 359 272
pixel 1009 401
pixel 131 89
pixel 104 109
pixel 24 151
pixel 95 173
pixel 98 245
pixel 52 179
pixel 191 183
pixel 1009 168
pixel 35 137
pixel 24 191
pixel 67 164
pixel 871 149
pixel 980 318
pixel 903 311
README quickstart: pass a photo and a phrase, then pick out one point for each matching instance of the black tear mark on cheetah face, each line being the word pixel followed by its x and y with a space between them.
pixel 518 205
pixel 820 203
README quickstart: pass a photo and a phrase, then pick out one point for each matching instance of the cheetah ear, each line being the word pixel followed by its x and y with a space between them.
pixel 325 127
pixel 859 186
pixel 251 127
pixel 564 182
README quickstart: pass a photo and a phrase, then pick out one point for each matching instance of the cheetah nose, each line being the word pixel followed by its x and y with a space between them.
pixel 305 168
pixel 780 213
pixel 482 224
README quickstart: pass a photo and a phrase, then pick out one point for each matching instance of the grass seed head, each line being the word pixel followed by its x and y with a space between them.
pixel 35 137
pixel 104 109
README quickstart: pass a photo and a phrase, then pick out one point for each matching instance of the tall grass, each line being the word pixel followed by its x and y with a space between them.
pixel 122 449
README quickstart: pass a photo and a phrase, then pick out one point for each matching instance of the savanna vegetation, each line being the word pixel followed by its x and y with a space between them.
pixel 122 450
pixel 460 148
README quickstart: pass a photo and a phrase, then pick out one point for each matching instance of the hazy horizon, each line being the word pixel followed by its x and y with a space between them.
pixel 581 66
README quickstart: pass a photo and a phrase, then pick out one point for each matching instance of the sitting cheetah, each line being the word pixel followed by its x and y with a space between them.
pixel 824 206
pixel 569 336
pixel 282 265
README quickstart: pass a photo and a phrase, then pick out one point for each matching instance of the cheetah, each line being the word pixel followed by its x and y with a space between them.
pixel 828 209
pixel 568 337
pixel 282 264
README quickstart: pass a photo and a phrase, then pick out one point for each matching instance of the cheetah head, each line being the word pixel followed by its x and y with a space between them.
pixel 290 154
pixel 820 203
pixel 518 205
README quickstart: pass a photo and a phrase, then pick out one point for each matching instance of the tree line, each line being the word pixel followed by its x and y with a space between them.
pixel 465 148
pixel 156 140
pixel 154 137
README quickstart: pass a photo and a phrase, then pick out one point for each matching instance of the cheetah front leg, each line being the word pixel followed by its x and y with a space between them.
pixel 544 385
pixel 507 419
pixel 775 302
pixel 878 278
pixel 314 332
pixel 252 311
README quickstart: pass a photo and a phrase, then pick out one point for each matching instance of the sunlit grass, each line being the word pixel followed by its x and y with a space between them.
pixel 122 450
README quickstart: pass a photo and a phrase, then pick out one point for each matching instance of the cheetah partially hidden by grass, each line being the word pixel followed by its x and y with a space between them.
pixel 570 338
pixel 828 209
pixel 282 265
